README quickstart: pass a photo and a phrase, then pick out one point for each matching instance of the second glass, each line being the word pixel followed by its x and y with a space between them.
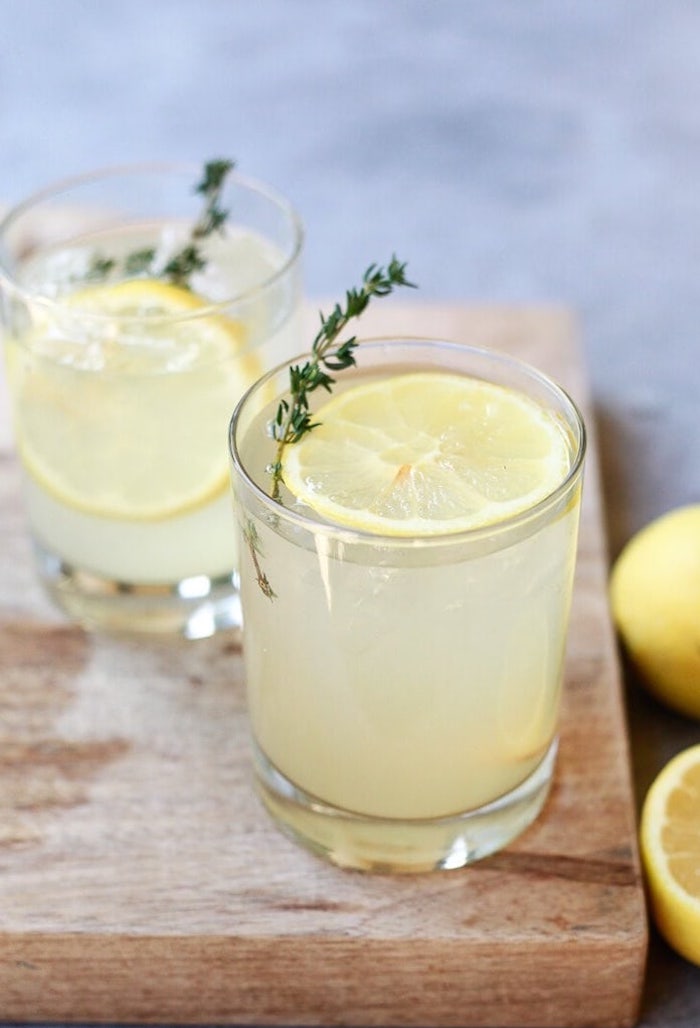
pixel 404 689
pixel 123 366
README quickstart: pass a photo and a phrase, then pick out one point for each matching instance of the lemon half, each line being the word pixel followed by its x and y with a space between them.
pixel 122 396
pixel 670 847
pixel 427 453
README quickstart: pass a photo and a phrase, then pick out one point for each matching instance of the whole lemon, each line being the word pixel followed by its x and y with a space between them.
pixel 655 598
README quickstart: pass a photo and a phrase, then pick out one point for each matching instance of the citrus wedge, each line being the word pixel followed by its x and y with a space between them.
pixel 426 453
pixel 123 395
pixel 670 846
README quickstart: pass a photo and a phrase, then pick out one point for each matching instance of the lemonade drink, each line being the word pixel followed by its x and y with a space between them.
pixel 404 679
pixel 122 390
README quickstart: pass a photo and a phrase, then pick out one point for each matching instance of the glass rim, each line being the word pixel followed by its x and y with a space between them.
pixel 67 184
pixel 318 526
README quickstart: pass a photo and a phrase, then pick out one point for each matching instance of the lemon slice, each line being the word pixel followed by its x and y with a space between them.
pixel 136 298
pixel 670 846
pixel 123 394
pixel 427 453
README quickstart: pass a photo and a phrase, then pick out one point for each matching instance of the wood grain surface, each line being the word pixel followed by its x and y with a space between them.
pixel 141 882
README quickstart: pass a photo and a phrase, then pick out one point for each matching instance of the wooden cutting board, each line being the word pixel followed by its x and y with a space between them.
pixel 140 880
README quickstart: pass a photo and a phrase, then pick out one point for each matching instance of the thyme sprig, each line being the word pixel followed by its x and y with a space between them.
pixel 293 418
pixel 190 258
pixel 252 539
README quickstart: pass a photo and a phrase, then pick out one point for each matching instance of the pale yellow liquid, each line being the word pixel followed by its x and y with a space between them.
pixel 410 685
pixel 198 541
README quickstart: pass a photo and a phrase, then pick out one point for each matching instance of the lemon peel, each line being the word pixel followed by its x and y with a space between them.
pixel 655 600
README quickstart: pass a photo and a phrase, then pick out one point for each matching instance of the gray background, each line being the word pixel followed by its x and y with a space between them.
pixel 510 151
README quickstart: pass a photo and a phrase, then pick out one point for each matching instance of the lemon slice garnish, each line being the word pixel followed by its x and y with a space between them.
pixel 426 453
pixel 670 845
pixel 123 395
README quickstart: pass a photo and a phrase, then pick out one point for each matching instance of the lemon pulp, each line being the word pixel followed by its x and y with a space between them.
pixel 123 394
pixel 425 453
pixel 670 845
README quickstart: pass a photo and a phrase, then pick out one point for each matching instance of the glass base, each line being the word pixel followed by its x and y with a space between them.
pixel 195 607
pixel 365 843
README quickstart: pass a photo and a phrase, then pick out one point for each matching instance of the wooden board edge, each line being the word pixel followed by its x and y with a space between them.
pixel 211 980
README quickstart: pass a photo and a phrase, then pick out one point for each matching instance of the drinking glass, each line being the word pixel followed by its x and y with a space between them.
pixel 123 379
pixel 404 691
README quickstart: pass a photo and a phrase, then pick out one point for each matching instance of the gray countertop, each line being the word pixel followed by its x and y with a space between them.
pixel 510 152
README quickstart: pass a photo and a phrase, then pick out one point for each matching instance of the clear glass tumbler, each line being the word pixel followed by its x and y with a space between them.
pixel 135 312
pixel 404 691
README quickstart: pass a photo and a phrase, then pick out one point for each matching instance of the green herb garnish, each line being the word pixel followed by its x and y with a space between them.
pixel 185 262
pixel 252 539
pixel 293 418
pixel 100 267
pixel 213 216
pixel 140 261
